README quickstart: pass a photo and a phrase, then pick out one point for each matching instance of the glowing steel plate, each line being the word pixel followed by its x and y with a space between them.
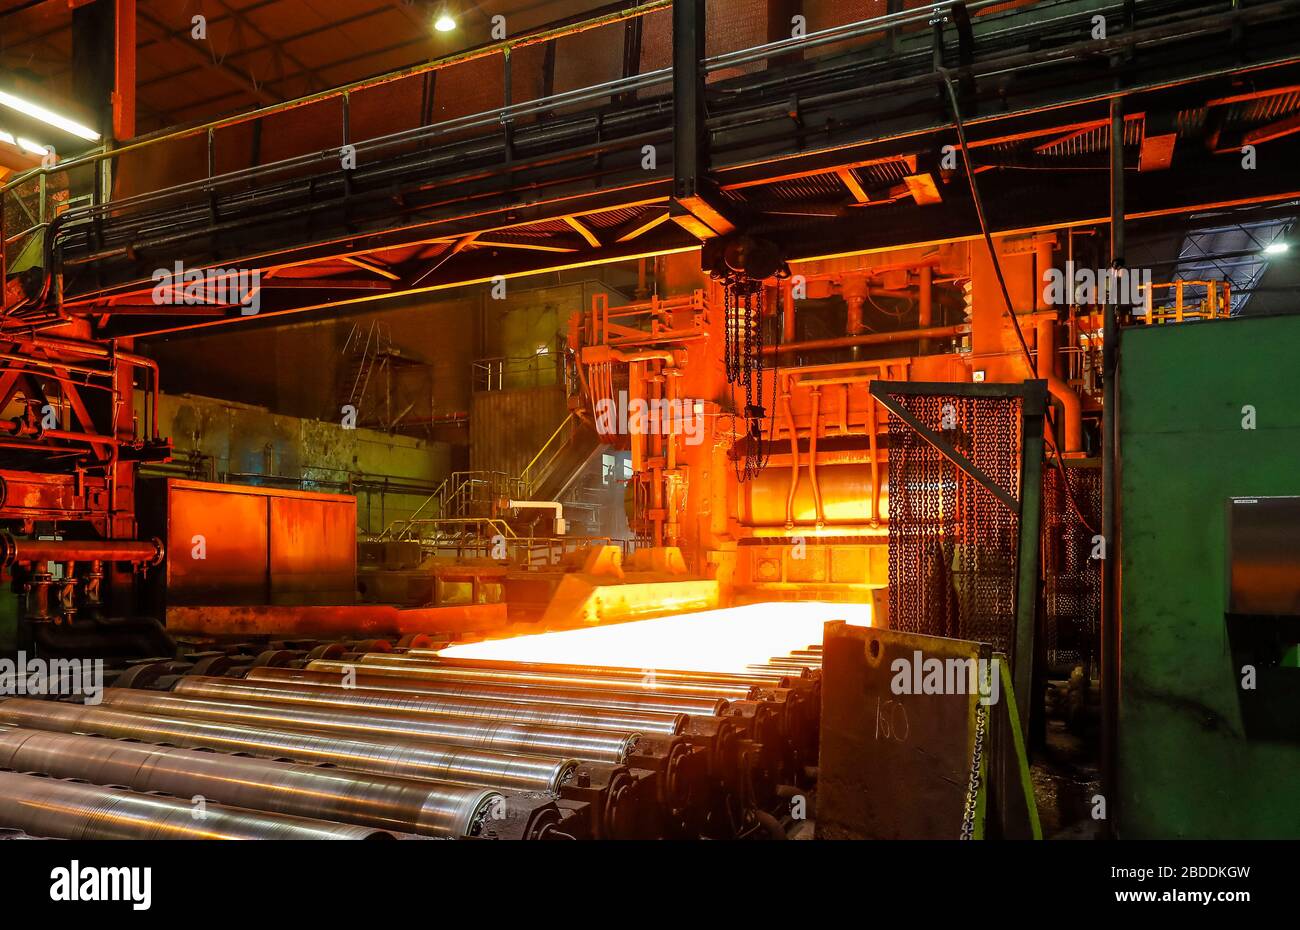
pixel 725 640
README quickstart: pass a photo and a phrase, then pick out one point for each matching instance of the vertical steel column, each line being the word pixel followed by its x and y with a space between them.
pixel 1033 412
pixel 1110 638
pixel 689 142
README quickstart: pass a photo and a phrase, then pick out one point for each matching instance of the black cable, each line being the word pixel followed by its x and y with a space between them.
pixel 1050 434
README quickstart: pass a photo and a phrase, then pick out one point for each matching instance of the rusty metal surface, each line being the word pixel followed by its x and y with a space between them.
pixel 237 545
pixel 892 766
pixel 361 619
pixel 232 530
pixel 313 550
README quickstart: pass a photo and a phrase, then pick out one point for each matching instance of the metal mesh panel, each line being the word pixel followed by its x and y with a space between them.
pixel 952 543
pixel 1072 586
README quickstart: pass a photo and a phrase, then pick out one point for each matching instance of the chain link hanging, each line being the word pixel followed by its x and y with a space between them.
pixel 743 360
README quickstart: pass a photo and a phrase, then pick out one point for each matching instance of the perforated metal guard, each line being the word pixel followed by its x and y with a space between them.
pixel 1072 586
pixel 952 543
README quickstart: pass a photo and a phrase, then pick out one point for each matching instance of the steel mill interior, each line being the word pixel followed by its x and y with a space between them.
pixel 667 420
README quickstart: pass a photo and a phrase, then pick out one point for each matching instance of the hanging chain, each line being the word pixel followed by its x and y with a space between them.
pixel 973 783
pixel 743 361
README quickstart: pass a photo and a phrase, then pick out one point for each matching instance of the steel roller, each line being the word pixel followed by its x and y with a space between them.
pixel 72 811
pixel 381 756
pixel 426 808
pixel 360 724
pixel 585 683
pixel 394 701
pixel 612 700
pixel 431 657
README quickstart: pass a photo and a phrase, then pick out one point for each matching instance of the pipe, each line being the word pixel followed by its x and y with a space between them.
pixel 925 305
pixel 1071 405
pixel 785 297
pixel 771 826
pixel 426 808
pixel 67 810
pixel 794 456
pixel 14 550
pixel 22 429
pixel 514 711
pixel 873 448
pixel 814 427
pixel 327 715
pixel 617 700
pixel 95 350
pixel 865 339
pixel 555 506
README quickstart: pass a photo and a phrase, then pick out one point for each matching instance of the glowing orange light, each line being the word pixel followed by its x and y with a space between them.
pixel 726 640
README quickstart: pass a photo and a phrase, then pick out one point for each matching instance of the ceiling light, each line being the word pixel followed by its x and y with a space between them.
pixel 48 117
pixel 444 23
pixel 1276 248
pixel 28 145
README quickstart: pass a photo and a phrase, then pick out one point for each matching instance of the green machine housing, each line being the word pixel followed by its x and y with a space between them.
pixel 1209 451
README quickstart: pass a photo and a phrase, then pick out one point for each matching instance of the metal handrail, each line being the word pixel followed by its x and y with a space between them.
pixel 1216 305
pixel 527 476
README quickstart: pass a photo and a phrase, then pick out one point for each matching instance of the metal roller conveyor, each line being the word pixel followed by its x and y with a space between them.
pixel 431 657
pixel 648 702
pixel 796 664
pixel 426 808
pixel 357 723
pixel 72 811
pixel 362 753
pixel 581 682
pixel 427 705
pixel 769 667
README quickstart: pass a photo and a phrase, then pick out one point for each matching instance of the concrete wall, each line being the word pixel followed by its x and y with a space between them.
pixel 1187 766
pixel 299 367
pixel 246 444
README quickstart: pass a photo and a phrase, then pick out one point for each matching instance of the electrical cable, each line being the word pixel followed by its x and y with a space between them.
pixel 1049 433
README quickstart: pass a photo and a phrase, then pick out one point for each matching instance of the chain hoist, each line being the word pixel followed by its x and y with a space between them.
pixel 741 265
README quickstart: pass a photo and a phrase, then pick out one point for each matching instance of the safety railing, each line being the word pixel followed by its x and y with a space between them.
pixel 1184 301
pixel 502 373
pixel 454 498
pixel 540 465
pixel 492 538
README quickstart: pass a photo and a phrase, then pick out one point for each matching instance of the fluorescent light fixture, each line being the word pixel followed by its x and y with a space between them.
pixel 5 137
pixel 28 145
pixel 444 23
pixel 1276 248
pixel 48 117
